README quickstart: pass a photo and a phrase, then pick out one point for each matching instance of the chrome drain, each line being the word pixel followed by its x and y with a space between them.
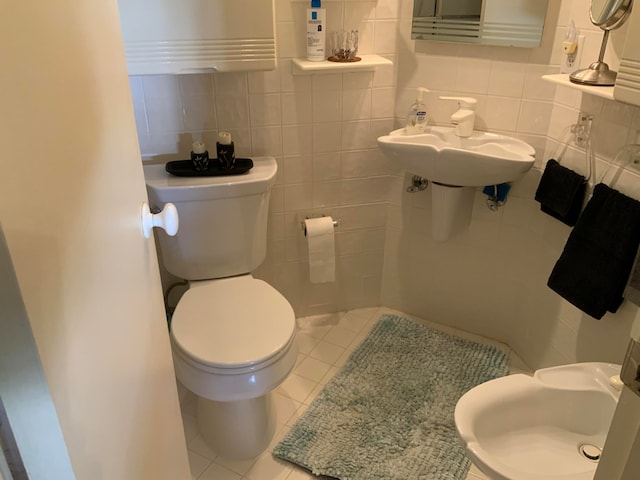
pixel 590 452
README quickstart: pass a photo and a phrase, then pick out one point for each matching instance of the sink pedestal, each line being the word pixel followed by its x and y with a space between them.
pixel 451 210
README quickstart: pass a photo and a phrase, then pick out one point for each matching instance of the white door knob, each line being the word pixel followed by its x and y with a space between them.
pixel 167 219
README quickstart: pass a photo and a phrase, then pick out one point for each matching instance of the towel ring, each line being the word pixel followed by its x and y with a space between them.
pixel 633 158
pixel 570 134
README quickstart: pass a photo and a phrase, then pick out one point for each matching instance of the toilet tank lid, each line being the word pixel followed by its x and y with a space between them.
pixel 169 188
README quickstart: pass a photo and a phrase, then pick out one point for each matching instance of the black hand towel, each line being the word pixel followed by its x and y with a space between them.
pixel 632 290
pixel 596 262
pixel 561 192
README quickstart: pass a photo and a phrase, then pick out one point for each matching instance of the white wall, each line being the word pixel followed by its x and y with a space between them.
pixel 322 130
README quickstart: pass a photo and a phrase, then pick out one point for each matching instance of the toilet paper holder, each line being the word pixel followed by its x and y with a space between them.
pixel 303 227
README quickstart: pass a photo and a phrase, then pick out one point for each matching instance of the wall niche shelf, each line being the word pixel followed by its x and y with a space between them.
pixel 300 66
pixel 563 79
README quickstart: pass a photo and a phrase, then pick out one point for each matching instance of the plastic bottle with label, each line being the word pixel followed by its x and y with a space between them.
pixel 417 116
pixel 316 36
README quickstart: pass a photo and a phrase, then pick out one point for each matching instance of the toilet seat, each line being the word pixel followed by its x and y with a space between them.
pixel 232 325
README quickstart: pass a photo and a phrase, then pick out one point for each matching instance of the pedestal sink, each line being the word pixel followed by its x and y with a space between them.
pixel 457 166
pixel 551 426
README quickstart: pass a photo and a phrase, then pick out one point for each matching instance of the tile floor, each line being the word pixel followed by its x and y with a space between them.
pixel 325 342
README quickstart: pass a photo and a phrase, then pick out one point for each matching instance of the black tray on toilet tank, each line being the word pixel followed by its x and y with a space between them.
pixel 184 168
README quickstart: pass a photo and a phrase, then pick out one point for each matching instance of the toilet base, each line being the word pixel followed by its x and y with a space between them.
pixel 239 429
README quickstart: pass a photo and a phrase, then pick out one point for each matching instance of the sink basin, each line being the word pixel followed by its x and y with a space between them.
pixel 441 156
pixel 536 428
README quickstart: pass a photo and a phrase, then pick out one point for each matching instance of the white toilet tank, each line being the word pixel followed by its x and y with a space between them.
pixel 223 220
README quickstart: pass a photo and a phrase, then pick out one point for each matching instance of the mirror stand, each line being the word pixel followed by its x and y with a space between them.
pixel 598 73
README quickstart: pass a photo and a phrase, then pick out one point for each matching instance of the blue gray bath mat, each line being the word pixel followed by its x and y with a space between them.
pixel 388 413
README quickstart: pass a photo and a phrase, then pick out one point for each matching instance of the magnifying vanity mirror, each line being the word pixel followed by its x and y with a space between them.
pixel 608 15
pixel 485 22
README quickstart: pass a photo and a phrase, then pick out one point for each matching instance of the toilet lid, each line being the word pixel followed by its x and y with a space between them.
pixel 233 322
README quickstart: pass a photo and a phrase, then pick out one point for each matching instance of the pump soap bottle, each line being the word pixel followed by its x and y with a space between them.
pixel 316 35
pixel 417 116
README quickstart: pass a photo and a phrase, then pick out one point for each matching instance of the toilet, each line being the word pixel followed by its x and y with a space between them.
pixel 232 335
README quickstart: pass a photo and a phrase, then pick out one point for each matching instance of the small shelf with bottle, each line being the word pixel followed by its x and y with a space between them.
pixel 301 66
pixel 563 79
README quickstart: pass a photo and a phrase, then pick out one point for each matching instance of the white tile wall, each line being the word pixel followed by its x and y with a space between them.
pixel 492 280
pixel 322 130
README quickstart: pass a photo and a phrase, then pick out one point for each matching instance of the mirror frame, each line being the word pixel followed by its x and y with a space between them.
pixel 479 31
pixel 621 8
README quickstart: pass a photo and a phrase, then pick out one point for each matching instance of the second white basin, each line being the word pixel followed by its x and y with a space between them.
pixel 539 428
pixel 441 156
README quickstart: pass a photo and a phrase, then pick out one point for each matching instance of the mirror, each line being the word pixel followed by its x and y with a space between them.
pixel 511 23
pixel 608 15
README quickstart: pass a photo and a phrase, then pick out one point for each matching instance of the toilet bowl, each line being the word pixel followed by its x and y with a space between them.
pixel 232 335
pixel 233 367
pixel 227 361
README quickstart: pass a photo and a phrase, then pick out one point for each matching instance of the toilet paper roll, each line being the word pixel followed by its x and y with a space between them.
pixel 322 254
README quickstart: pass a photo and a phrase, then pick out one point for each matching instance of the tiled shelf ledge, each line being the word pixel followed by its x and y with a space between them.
pixel 563 79
pixel 368 62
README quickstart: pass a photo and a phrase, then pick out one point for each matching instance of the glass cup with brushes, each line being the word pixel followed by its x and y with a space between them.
pixel 344 46
pixel 225 150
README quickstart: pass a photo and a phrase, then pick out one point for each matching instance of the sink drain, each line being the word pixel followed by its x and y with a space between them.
pixel 590 452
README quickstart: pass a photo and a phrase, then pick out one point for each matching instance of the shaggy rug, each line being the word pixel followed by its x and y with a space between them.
pixel 388 413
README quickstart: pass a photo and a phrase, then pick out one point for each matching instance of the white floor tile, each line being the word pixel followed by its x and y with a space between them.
pixel 326 352
pixel 330 374
pixel 317 325
pixel 369 313
pixel 240 467
pixel 342 359
pixel 285 407
pixel 297 414
pixel 197 464
pixel 218 472
pixel 471 476
pixel 300 474
pixel 340 336
pixel 269 468
pixel 199 446
pixel 476 474
pixel 319 321
pixel 516 364
pixel 312 369
pixel 354 321
pixel 299 359
pixel 306 342
pixel 314 393
pixel 296 387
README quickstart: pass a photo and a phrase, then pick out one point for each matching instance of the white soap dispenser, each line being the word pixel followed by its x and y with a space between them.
pixel 417 116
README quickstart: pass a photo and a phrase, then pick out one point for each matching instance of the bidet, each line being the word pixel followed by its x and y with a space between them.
pixel 552 425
